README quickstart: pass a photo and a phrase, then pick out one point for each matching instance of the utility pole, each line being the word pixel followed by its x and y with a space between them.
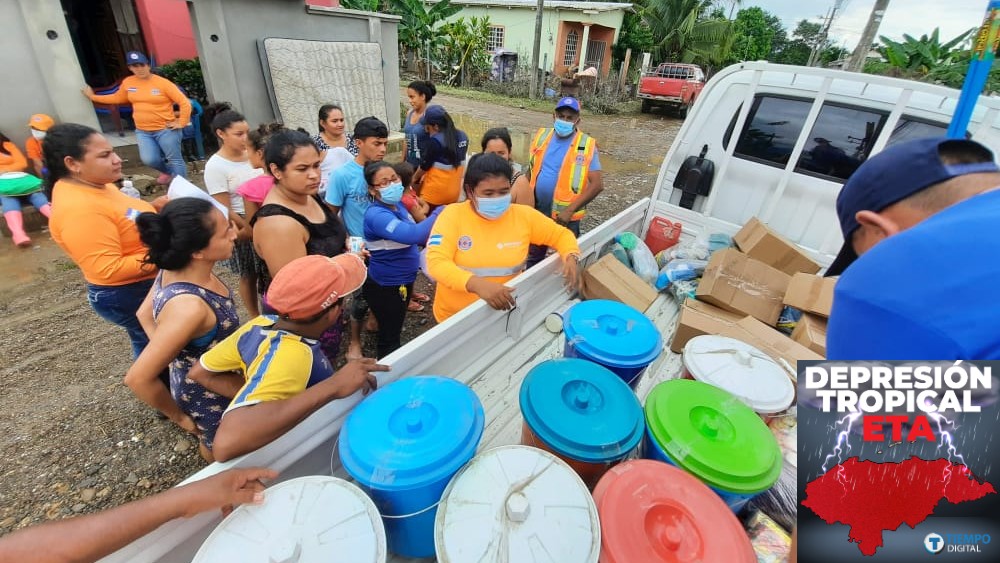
pixel 857 61
pixel 814 55
pixel 533 82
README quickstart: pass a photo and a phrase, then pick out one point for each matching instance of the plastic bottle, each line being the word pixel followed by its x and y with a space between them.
pixel 677 270
pixel 129 189
pixel 621 254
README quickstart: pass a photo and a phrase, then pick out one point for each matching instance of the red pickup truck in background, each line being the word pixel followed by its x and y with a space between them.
pixel 671 84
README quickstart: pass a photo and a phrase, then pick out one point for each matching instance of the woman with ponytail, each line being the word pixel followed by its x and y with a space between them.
pixel 438 179
pixel 188 311
pixel 94 223
pixel 225 172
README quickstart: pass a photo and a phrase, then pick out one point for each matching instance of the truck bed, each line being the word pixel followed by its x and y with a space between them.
pixel 491 351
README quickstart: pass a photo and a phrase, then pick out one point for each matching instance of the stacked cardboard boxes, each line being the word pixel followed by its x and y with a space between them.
pixel 743 291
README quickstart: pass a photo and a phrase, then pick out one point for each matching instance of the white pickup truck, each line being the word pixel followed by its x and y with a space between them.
pixel 761 124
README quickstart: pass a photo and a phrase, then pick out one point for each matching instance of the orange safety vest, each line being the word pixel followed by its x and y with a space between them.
pixel 573 172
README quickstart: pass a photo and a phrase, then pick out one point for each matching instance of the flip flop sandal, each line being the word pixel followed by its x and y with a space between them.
pixel 421 297
pixel 415 307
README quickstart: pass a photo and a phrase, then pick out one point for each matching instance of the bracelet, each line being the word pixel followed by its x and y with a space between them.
pixel 575 255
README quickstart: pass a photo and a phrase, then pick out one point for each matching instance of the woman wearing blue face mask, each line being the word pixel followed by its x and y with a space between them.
pixel 482 243
pixel 392 237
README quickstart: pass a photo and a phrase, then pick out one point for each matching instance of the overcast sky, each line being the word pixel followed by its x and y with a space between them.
pixel 915 17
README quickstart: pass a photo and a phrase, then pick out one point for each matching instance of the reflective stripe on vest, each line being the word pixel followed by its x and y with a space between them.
pixel 496 272
pixel 572 173
pixel 384 244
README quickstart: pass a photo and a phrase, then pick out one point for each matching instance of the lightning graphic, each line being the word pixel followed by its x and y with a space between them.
pixel 842 445
pixel 945 439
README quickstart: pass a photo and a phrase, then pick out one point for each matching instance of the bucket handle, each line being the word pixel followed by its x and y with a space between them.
pixel 333 459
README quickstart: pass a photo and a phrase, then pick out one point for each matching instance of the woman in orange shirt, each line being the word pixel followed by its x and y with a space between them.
pixel 478 245
pixel 157 129
pixel 94 223
pixel 16 188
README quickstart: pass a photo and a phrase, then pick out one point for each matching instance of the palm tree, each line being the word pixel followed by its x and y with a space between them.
pixel 683 31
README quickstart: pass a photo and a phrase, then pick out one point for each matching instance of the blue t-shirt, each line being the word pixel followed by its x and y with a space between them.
pixel 931 292
pixel 552 161
pixel 348 190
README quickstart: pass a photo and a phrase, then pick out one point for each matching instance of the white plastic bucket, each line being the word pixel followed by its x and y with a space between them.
pixel 517 503
pixel 307 520
pixel 741 369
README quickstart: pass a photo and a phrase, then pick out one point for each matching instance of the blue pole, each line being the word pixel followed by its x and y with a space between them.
pixel 983 52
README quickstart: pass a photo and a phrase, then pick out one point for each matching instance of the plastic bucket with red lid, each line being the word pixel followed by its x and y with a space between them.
pixel 653 512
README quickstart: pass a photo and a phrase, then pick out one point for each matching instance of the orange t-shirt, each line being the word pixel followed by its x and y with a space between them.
pixel 33 148
pixel 152 102
pixel 96 228
pixel 13 160
pixel 463 244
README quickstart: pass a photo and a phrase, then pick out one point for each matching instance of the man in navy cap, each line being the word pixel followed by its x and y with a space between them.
pixel 922 216
pixel 564 170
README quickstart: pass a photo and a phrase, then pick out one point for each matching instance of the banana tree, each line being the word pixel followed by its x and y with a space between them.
pixel 924 55
pixel 417 27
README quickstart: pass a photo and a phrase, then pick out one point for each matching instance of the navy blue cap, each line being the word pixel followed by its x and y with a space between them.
pixel 135 58
pixel 569 102
pixel 893 175
pixel 434 115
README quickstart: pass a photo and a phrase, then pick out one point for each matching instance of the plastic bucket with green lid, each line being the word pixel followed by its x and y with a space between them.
pixel 714 436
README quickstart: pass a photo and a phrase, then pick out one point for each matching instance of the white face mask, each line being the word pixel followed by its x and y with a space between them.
pixel 38 134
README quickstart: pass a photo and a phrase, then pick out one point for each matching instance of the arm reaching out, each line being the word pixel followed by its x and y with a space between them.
pixel 88 538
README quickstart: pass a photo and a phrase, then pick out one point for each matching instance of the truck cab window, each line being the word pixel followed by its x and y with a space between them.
pixel 840 141
pixel 910 129
pixel 773 126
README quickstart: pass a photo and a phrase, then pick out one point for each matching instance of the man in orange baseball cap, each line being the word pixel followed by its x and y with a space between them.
pixel 273 367
pixel 38 124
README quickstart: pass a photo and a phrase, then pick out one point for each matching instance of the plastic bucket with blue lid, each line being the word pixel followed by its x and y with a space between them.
pixel 714 436
pixel 310 520
pixel 613 335
pixel 517 504
pixel 403 444
pixel 581 412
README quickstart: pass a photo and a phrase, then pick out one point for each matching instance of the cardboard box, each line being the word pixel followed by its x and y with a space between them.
pixel 759 242
pixel 610 279
pixel 737 283
pixel 698 318
pixel 770 341
pixel 811 294
pixel 810 332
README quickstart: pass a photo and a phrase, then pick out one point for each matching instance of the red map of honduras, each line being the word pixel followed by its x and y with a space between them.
pixel 873 497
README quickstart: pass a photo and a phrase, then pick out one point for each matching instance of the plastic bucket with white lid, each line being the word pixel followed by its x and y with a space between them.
pixel 309 520
pixel 517 503
pixel 741 369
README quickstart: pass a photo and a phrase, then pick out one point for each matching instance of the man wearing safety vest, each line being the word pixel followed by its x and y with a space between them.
pixel 564 170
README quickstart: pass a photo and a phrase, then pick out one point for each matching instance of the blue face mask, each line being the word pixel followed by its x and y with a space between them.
pixel 493 207
pixel 392 193
pixel 564 128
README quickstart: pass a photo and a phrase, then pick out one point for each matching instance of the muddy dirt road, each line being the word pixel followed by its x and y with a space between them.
pixel 74 440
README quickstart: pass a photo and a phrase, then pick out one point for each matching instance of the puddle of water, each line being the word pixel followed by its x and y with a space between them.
pixel 475 128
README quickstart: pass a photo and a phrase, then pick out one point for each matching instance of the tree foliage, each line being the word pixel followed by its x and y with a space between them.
pixel 922 55
pixel 754 33
pixel 462 50
pixel 688 31
pixel 187 74
pixel 419 23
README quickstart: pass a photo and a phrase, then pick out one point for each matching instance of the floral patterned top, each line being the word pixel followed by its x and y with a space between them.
pixel 202 405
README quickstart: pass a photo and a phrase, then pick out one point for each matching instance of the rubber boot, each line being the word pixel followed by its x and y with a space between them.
pixel 46 210
pixel 15 222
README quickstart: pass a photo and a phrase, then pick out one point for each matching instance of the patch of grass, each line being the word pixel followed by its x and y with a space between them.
pixel 499 99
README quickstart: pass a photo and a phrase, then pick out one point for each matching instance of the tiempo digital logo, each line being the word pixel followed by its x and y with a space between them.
pixel 934 543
